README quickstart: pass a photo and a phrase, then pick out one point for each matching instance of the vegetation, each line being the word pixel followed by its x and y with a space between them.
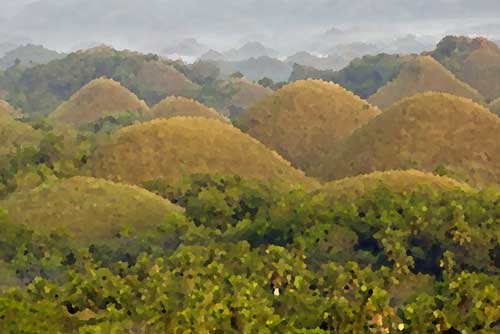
pixel 168 149
pixel 304 120
pixel 87 209
pixel 234 96
pixel 430 132
pixel 117 219
pixel 7 110
pixel 422 74
pixel 301 263
pixel 96 100
pixel 28 55
pixel 180 106
pixel 495 106
pixel 42 88
pixel 475 61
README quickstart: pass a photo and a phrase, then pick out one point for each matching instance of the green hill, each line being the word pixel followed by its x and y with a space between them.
pixel 303 121
pixel 99 98
pixel 87 209
pixel 422 74
pixel 430 132
pixel 15 135
pixel 170 148
pixel 28 56
pixel 40 89
pixel 7 109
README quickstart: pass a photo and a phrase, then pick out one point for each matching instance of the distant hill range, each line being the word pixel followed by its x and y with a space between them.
pixel 28 56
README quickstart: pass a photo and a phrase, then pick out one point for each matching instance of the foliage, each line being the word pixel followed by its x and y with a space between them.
pixel 304 120
pixel 42 88
pixel 385 262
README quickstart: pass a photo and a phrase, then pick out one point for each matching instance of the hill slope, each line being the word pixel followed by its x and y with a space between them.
pixel 422 74
pixel 430 132
pixel 400 181
pixel 7 109
pixel 304 120
pixel 180 106
pixel 86 208
pixel 99 98
pixel 28 56
pixel 475 61
pixel 168 149
pixel 15 134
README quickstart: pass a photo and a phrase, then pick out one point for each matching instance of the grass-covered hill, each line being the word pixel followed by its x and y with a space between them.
pixel 304 120
pixel 400 181
pixel 475 61
pixel 99 98
pixel 87 209
pixel 422 74
pixel 171 148
pixel 15 135
pixel 42 88
pixel 181 106
pixel 7 109
pixel 234 96
pixel 431 132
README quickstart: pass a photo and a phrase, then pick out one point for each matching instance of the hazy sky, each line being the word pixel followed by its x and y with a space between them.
pixel 63 24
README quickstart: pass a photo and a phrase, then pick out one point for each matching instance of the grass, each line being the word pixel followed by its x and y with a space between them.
pixel 422 74
pixel 99 98
pixel 181 106
pixel 431 132
pixel 171 148
pixel 304 120
pixel 88 209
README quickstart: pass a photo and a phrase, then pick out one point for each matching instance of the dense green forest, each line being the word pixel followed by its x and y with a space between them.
pixel 141 195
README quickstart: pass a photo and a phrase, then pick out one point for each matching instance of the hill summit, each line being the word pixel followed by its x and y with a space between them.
pixel 99 98
pixel 419 75
pixel 304 120
pixel 431 132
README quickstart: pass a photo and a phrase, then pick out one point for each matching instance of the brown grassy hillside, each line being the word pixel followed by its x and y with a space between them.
pixel 181 106
pixel 7 109
pixel 99 98
pixel 400 181
pixel 159 79
pixel 170 148
pixel 422 74
pixel 86 208
pixel 482 71
pixel 14 134
pixel 429 132
pixel 304 120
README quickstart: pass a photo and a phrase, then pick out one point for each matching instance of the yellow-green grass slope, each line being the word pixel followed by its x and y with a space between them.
pixel 399 181
pixel 432 132
pixel 16 135
pixel 7 109
pixel 87 209
pixel 99 98
pixel 168 149
pixel 181 106
pixel 419 75
pixel 304 120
